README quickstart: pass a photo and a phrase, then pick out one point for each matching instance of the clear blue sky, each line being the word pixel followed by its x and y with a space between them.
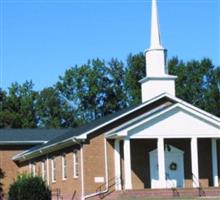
pixel 40 39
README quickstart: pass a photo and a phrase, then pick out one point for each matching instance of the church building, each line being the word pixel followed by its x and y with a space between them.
pixel 161 146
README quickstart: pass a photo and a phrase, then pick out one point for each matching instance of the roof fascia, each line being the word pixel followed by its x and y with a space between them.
pixel 193 107
pixel 84 135
pixel 124 132
pixel 130 122
pixel 44 150
pixel 203 115
pixel 22 142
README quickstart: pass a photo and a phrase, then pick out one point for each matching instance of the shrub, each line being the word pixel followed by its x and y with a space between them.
pixel 2 175
pixel 28 187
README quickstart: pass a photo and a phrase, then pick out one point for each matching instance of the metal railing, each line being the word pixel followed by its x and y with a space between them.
pixel 56 193
pixel 172 186
pixel 200 188
pixel 111 187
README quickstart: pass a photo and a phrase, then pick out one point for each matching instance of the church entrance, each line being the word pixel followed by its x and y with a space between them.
pixel 174 168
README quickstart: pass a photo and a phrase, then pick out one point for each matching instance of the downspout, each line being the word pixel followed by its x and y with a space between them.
pixel 82 172
pixel 106 176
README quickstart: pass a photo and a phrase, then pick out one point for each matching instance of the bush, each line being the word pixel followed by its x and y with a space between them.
pixel 28 187
pixel 2 175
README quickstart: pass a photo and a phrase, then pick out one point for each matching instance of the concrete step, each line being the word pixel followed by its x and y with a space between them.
pixel 165 193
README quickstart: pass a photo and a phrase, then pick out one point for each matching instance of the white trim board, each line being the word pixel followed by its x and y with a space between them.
pixel 183 123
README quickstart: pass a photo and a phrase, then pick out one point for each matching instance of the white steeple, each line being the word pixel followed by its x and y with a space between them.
pixel 155 32
pixel 157 80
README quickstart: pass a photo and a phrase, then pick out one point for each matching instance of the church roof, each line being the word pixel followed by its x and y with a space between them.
pixel 77 135
pixel 28 136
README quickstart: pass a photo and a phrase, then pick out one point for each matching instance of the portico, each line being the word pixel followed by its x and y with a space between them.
pixel 191 173
pixel 178 128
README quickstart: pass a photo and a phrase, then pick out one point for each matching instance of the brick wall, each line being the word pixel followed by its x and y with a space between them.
pixel 9 167
pixel 140 149
pixel 205 162
pixel 94 163
pixel 69 187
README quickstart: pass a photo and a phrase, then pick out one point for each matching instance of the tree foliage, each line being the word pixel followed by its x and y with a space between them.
pixel 2 175
pixel 18 107
pixel 198 83
pixel 93 90
pixel 53 111
pixel 28 187
pixel 135 72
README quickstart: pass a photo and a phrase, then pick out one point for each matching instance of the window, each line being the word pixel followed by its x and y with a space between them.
pixel 53 169
pixel 32 168
pixel 43 170
pixel 64 167
pixel 75 165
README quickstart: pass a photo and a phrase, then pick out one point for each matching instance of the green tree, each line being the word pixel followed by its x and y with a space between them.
pixel 197 83
pixel 85 93
pixel 135 72
pixel 53 111
pixel 18 107
pixel 94 89
pixel 28 187
pixel 116 94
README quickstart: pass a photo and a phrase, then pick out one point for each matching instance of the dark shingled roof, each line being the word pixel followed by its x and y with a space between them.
pixel 23 136
pixel 73 132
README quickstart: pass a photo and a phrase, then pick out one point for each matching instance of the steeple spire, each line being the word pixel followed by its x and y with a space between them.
pixel 155 31
pixel 156 54
pixel 157 80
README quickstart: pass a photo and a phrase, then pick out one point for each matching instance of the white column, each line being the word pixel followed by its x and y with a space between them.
pixel 117 165
pixel 127 163
pixel 161 162
pixel 194 162
pixel 214 163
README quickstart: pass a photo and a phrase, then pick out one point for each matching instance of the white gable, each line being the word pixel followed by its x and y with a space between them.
pixel 175 122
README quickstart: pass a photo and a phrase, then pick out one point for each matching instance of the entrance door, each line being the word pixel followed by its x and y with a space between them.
pixel 173 168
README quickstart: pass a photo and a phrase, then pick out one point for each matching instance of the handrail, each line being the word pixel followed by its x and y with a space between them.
pixel 111 184
pixel 56 192
pixel 200 188
pixel 173 187
pixel 103 185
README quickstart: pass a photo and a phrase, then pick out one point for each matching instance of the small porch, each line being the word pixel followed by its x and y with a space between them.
pixel 174 147
pixel 157 163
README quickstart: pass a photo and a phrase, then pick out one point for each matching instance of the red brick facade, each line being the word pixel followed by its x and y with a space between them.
pixel 10 168
pixel 93 152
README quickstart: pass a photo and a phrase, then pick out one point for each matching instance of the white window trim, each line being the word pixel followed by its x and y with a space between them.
pixel 32 168
pixel 29 167
pixel 43 170
pixel 64 167
pixel 53 169
pixel 75 164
